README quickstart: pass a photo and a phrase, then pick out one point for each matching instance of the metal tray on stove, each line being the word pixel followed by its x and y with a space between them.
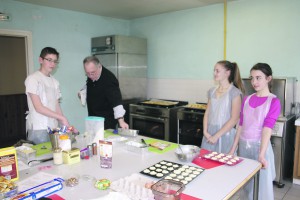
pixel 196 106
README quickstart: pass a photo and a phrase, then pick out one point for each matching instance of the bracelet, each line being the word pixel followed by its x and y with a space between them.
pixel 120 118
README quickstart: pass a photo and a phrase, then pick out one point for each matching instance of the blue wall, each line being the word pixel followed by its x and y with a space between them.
pixel 187 44
pixel 70 33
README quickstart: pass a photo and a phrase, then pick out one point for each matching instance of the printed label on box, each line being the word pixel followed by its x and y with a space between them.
pixel 105 154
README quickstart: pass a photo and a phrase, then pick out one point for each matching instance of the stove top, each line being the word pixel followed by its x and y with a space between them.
pixel 162 103
pixel 195 107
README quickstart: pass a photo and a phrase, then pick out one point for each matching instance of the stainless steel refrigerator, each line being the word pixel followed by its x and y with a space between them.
pixel 126 57
pixel 283 135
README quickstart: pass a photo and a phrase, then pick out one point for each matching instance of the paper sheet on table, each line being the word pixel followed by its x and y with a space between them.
pixel 83 96
pixel 22 165
pixel 34 180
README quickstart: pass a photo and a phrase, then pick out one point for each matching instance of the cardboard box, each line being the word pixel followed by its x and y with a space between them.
pixel 72 156
pixel 9 163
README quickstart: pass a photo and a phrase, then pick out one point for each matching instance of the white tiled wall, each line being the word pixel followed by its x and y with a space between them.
pixel 179 89
pixel 185 90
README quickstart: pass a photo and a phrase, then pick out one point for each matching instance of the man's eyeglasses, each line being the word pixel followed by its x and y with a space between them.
pixel 91 74
pixel 52 61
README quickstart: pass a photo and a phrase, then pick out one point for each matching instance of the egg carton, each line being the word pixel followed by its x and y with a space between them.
pixel 134 187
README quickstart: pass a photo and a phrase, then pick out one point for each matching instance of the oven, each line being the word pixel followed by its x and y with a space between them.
pixel 283 143
pixel 190 125
pixel 156 119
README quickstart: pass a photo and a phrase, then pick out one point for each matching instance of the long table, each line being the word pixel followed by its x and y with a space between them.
pixel 221 182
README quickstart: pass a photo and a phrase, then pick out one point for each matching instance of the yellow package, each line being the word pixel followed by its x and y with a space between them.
pixel 72 156
pixel 9 163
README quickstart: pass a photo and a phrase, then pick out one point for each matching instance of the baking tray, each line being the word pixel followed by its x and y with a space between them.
pixel 223 158
pixel 161 169
pixel 196 106
pixel 128 132
pixel 185 174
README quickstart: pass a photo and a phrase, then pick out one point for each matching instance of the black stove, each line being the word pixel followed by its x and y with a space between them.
pixel 190 124
pixel 156 118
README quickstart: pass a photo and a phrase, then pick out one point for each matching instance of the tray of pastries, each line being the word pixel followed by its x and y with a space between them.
pixel 223 158
pixel 185 174
pixel 161 169
pixel 159 102
pixel 197 106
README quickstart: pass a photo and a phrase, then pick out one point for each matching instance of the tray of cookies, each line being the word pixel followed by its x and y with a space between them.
pixel 161 169
pixel 185 174
pixel 223 158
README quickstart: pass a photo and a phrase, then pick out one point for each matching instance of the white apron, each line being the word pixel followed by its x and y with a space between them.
pixel 219 114
pixel 249 147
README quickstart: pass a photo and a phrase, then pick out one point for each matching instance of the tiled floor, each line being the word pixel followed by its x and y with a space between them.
pixel 289 192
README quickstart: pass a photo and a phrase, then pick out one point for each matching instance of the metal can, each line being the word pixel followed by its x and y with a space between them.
pixel 94 145
pixel 90 150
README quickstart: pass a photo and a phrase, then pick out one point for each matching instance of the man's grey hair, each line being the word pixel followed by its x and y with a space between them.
pixel 93 59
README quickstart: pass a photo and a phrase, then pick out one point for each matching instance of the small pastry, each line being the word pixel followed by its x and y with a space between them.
pixel 196 172
pixel 184 182
pixel 193 175
pixel 170 168
pixel 184 174
pixel 180 177
pixel 153 173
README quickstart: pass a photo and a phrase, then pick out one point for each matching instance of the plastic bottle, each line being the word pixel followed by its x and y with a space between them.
pixel 64 142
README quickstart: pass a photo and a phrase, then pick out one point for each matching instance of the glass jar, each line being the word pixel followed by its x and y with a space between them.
pixel 57 156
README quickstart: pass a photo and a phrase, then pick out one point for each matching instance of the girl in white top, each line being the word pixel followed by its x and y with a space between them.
pixel 223 108
pixel 43 95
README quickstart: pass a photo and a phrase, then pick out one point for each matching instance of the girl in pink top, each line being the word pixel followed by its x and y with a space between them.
pixel 258 116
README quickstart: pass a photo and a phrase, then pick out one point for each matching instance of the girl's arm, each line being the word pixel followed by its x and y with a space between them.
pixel 205 121
pixel 265 138
pixel 236 141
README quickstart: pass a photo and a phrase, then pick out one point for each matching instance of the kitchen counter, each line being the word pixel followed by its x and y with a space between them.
pixel 217 183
